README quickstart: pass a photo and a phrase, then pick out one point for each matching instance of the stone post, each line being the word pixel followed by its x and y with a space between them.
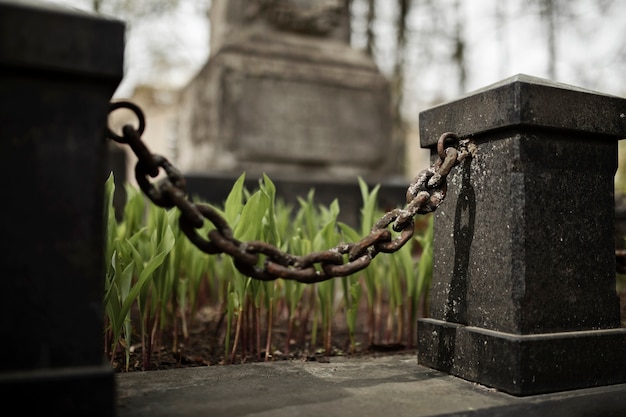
pixel 58 71
pixel 523 293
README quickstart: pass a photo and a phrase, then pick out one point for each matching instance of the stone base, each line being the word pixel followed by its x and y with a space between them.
pixel 524 364
pixel 77 391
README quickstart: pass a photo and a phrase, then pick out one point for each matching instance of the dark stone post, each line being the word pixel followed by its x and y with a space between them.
pixel 523 295
pixel 58 70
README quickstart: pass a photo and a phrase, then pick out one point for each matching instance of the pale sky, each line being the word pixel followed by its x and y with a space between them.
pixel 587 50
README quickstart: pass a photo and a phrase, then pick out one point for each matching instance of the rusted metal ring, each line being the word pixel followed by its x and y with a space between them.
pixel 138 113
pixel 269 250
pixel 156 193
pixel 441 143
pixel 349 268
pixel 198 241
pixel 210 213
pixel 178 197
pixel 376 236
pixel 188 226
pixel 325 257
pixel 307 275
pixel 398 242
pixel 253 271
pixel 231 247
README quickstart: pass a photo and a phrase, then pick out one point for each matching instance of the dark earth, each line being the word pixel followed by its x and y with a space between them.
pixel 205 347
pixel 201 350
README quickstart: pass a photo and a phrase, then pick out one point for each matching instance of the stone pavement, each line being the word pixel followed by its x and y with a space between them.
pixel 376 386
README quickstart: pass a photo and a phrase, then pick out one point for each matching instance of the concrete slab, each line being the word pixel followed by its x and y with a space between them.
pixel 377 386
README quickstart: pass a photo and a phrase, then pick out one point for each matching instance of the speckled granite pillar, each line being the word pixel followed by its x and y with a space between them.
pixel 523 294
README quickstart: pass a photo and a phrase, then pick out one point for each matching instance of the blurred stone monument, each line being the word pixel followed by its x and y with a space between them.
pixel 284 93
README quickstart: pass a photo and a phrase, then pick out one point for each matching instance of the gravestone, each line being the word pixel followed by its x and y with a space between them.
pixel 283 93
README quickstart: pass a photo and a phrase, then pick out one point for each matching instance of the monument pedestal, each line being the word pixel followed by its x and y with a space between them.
pixel 288 100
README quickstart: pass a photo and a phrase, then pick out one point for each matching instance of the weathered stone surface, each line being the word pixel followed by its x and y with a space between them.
pixel 329 19
pixel 524 242
pixel 287 104
pixel 523 100
pixel 526 217
pixel 524 364
pixel 350 387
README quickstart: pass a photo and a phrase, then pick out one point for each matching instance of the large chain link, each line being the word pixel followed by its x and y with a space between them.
pixel 424 195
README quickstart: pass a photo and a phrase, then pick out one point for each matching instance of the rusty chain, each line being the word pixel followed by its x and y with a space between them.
pixel 424 195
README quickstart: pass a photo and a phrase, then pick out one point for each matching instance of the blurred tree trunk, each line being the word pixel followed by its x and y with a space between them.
pixel 554 14
pixel 397 86
pixel 97 4
pixel 398 67
pixel 501 18
pixel 548 13
pixel 346 12
pixel 458 48
pixel 369 28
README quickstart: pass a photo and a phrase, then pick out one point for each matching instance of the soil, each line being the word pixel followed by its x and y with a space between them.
pixel 199 350
pixel 204 346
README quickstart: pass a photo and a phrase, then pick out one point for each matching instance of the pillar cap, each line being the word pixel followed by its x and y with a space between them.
pixel 525 101
pixel 41 36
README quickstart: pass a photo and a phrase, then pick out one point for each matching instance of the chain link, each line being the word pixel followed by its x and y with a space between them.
pixel 424 195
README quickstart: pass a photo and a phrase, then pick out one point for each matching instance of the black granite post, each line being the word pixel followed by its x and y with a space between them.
pixel 523 295
pixel 58 70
